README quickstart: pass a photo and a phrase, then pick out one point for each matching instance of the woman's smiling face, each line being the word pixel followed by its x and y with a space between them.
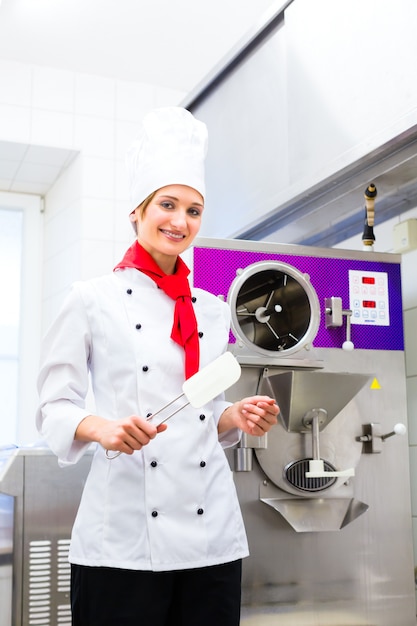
pixel 169 223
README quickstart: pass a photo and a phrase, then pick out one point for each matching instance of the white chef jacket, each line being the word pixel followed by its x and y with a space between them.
pixel 172 504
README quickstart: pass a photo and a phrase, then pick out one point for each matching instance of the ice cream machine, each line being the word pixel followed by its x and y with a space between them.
pixel 325 494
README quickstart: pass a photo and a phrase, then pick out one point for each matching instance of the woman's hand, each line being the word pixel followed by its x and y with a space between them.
pixel 123 435
pixel 254 415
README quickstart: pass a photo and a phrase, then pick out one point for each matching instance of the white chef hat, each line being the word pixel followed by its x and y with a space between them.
pixel 169 150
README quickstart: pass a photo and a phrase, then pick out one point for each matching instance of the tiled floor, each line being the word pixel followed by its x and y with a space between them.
pixel 292 619
pixel 300 618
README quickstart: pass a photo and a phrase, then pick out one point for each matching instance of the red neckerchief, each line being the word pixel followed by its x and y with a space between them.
pixel 176 286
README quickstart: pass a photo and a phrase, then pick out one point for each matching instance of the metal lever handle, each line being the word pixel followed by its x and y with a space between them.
pixel 372 438
pixel 316 465
pixel 399 429
pixel 334 318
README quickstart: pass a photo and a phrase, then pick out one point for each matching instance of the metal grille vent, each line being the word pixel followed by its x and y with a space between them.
pixel 295 473
pixel 49 584
pixel 63 582
pixel 39 583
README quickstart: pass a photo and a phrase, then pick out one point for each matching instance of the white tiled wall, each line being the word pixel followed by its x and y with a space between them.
pixel 86 212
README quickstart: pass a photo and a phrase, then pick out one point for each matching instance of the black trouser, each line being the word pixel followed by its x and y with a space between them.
pixel 208 596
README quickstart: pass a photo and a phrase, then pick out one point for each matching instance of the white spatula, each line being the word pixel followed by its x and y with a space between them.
pixel 205 385
pixel 212 380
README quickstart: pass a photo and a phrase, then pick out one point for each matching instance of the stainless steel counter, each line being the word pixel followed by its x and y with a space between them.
pixel 38 503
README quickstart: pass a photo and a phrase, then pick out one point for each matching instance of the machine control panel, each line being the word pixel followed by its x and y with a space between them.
pixel 368 295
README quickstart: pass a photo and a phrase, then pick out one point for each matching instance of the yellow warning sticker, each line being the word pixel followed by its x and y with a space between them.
pixel 375 384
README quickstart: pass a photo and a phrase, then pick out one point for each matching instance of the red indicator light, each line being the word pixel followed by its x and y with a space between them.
pixel 369 304
pixel 368 280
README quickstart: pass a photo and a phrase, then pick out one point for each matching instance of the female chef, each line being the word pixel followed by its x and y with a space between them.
pixel 158 538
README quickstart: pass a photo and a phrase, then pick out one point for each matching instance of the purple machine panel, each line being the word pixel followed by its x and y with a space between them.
pixel 215 269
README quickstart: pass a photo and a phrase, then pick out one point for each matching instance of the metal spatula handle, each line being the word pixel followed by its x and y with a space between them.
pixel 205 385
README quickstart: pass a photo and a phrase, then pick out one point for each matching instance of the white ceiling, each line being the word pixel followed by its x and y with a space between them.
pixel 169 43
pixel 31 169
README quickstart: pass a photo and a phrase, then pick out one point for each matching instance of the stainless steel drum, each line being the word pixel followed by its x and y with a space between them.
pixel 274 308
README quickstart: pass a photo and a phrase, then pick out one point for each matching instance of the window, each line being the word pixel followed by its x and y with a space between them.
pixel 20 288
pixel 10 271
